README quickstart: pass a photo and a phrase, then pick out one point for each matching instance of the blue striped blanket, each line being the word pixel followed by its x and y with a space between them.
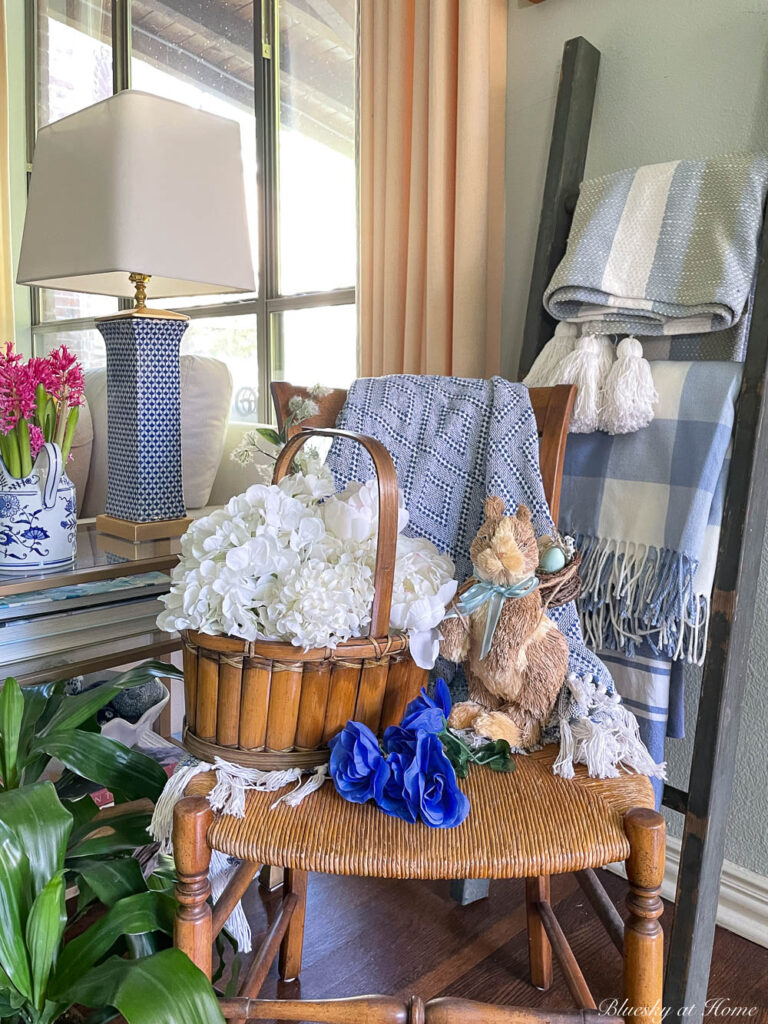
pixel 454 441
pixel 667 249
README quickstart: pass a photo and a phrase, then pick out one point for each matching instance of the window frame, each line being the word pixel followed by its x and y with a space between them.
pixel 269 301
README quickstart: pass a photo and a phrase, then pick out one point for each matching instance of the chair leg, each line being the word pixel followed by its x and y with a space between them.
pixel 643 935
pixel 539 948
pixel 289 963
pixel 192 930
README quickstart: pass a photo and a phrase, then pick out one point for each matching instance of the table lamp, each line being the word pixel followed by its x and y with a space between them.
pixel 139 194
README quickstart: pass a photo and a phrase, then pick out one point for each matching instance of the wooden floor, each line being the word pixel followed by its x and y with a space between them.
pixel 402 938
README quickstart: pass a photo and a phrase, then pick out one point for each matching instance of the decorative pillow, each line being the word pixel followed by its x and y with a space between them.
pixel 206 394
pixel 79 464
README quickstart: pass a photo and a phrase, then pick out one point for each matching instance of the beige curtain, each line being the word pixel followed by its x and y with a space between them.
pixel 6 257
pixel 431 146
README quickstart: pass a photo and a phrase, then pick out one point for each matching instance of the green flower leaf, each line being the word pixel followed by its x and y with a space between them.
pixel 269 435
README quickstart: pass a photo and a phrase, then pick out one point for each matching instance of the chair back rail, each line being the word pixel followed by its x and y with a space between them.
pixel 551 407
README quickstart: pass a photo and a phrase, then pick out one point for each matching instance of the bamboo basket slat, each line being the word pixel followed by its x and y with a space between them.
pixel 315 686
pixel 370 694
pixel 189 656
pixel 269 704
pixel 283 713
pixel 342 697
pixel 227 719
pixel 404 681
pixel 254 705
pixel 207 697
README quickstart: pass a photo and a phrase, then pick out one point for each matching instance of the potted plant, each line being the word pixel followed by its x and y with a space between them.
pixel 44 971
pixel 39 407
pixel 53 836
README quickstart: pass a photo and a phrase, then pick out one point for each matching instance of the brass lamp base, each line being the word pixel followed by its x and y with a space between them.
pixel 126 529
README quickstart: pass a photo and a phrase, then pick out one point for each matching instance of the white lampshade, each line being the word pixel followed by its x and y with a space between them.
pixel 138 184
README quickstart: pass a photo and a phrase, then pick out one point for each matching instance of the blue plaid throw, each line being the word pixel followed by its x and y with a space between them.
pixel 645 510
pixel 668 249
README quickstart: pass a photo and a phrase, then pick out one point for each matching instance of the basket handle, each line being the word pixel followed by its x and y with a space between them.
pixel 386 543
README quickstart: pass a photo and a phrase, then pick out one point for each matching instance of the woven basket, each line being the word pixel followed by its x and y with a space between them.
pixel 267 704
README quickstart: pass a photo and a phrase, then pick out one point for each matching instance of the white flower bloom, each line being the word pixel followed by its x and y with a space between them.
pixel 291 562
pixel 319 391
pixel 302 408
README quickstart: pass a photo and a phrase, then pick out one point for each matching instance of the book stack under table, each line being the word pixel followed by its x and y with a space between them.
pixel 97 614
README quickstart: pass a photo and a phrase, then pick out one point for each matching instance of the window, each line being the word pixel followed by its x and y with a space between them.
pixel 284 70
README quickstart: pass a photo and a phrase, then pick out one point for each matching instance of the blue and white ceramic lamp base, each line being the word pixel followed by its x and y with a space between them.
pixel 144 476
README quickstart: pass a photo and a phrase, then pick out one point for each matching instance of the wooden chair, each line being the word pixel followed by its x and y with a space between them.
pixel 530 824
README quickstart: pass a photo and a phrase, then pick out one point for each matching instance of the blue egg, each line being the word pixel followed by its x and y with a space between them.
pixel 553 560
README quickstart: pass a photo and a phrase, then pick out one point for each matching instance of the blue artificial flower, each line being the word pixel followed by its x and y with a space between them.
pixel 394 799
pixel 428 715
pixel 397 740
pixel 358 768
pixel 430 785
pixel 35 533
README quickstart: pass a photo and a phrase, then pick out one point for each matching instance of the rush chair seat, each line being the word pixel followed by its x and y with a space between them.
pixel 530 824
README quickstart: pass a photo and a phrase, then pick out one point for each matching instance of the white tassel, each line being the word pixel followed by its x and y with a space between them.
pixel 219 874
pixel 630 394
pixel 161 826
pixel 563 765
pixel 545 371
pixel 295 796
pixel 588 367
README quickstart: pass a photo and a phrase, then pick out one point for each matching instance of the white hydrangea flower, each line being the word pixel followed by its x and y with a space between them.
pixel 296 563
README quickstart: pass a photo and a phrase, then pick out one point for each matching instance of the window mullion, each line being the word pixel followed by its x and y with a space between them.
pixel 264 55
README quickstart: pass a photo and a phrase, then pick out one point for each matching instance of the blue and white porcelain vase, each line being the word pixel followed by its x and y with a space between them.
pixel 38 516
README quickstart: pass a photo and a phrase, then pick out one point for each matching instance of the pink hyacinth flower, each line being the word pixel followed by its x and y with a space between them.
pixel 8 355
pixel 67 383
pixel 42 372
pixel 36 440
pixel 17 394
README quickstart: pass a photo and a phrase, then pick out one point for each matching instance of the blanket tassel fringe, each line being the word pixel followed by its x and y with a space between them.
pixel 598 731
pixel 635 593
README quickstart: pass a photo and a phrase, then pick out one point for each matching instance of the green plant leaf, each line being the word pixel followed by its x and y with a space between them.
pixel 111 880
pixel 83 811
pixel 76 709
pixel 115 834
pixel 495 755
pixel 36 700
pixel 135 915
pixel 165 987
pixel 15 900
pixel 269 435
pixel 45 928
pixel 42 824
pixel 107 762
pixel 11 715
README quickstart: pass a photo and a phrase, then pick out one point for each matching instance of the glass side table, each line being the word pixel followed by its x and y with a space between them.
pixel 97 614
